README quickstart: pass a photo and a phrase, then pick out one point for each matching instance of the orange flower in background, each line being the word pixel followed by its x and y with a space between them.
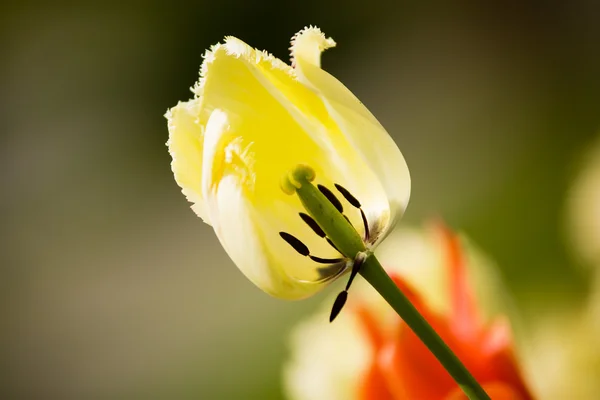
pixel 371 354
pixel 403 368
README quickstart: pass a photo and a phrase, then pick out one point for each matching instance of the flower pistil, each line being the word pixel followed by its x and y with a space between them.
pixel 327 219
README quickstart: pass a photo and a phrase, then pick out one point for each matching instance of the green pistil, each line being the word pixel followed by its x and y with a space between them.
pixel 333 223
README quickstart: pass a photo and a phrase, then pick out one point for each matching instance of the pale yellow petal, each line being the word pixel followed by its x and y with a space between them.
pixel 308 44
pixel 242 240
pixel 185 146
pixel 378 150
pixel 252 244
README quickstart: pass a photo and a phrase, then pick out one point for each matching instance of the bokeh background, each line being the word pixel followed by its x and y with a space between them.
pixel 111 288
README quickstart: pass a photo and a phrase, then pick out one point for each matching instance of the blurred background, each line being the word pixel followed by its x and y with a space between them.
pixel 111 287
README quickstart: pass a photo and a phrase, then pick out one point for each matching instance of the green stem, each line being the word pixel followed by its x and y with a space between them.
pixel 345 237
pixel 374 273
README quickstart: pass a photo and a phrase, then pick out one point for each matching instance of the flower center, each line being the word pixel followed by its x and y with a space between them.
pixel 326 218
pixel 325 212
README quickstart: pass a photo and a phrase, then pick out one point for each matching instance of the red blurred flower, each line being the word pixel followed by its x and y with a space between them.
pixel 403 368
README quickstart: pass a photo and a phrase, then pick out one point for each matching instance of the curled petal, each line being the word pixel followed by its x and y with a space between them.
pixel 378 150
pixel 308 44
pixel 185 146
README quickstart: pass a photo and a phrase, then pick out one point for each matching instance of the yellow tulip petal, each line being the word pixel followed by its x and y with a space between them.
pixel 308 44
pixel 360 127
pixel 246 243
pixel 249 237
pixel 185 146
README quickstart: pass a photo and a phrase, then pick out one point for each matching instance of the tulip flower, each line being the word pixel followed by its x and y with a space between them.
pixel 298 179
pixel 253 121
pixel 373 356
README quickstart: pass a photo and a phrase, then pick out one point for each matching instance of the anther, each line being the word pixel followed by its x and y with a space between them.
pixel 317 229
pixel 303 249
pixel 313 224
pixel 348 196
pixel 326 260
pixel 354 201
pixel 331 197
pixel 295 243
pixel 338 304
pixel 341 298
pixel 365 224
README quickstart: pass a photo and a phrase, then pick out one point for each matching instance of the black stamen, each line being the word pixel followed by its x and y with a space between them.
pixel 333 245
pixel 295 243
pixel 354 201
pixel 325 260
pixel 365 223
pixel 313 224
pixel 303 249
pixel 331 197
pixel 317 229
pixel 340 300
pixel 348 196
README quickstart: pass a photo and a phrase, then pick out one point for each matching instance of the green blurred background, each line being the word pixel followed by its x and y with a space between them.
pixel 111 288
